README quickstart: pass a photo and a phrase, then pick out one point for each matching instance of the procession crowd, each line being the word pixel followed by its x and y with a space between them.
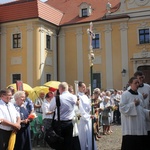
pixel 74 116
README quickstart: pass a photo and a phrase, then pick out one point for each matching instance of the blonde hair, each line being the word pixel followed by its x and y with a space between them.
pixel 97 91
pixel 64 86
pixel 108 93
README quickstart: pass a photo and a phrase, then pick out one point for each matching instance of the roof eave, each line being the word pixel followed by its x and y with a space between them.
pixel 104 18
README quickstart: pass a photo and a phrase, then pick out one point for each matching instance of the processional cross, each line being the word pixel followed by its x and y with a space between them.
pixel 91 58
pixel 91 37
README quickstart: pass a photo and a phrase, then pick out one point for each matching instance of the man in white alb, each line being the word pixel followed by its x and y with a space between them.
pixel 144 89
pixel 85 125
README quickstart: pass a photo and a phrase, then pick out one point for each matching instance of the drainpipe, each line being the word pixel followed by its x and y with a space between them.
pixel 57 50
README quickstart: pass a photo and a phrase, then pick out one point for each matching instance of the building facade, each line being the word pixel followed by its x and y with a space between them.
pixel 53 44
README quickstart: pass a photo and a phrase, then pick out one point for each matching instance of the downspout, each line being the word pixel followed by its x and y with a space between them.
pixel 57 50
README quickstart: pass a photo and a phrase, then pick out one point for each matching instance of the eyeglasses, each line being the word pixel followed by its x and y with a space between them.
pixel 7 95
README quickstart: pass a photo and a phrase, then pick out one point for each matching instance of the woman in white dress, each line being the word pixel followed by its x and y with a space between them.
pixel 133 119
pixel 85 125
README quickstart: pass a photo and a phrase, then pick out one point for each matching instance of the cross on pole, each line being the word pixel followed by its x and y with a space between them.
pixel 91 37
pixel 91 58
pixel 91 34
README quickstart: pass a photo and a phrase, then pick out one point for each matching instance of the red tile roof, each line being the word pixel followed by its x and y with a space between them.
pixel 24 9
pixel 18 10
pixel 57 12
pixel 70 8
pixel 49 13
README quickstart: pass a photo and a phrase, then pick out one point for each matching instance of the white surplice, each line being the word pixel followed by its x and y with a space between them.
pixel 85 125
pixel 146 90
pixel 133 118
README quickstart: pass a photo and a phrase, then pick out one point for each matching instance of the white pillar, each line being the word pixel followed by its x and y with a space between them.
pixel 79 54
pixel 3 57
pixel 76 87
pixel 42 54
pixel 62 68
pixel 124 53
pixel 30 54
pixel 108 45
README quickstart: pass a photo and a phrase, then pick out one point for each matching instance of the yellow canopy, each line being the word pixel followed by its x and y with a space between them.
pixel 53 84
pixel 36 91
pixel 26 87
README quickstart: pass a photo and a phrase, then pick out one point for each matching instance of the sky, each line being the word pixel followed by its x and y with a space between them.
pixel 5 1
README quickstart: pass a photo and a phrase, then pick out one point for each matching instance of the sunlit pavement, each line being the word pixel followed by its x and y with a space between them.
pixel 106 142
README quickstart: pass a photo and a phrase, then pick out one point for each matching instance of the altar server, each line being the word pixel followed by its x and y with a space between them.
pixel 133 118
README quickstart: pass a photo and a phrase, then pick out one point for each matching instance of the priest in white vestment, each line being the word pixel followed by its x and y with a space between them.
pixel 85 125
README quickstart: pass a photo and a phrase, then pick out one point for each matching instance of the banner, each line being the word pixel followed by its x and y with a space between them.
pixel 19 85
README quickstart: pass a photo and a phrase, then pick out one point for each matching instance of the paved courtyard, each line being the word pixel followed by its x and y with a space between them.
pixel 106 142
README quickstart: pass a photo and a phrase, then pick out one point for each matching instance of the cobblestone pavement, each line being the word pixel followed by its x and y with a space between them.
pixel 112 141
pixel 106 142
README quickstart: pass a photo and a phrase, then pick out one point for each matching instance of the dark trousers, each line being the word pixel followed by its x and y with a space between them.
pixel 47 123
pixel 76 143
pixel 66 133
pixel 117 118
pixel 4 139
pixel 23 139
pixel 135 142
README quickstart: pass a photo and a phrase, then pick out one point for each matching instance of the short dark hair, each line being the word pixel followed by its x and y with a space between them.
pixel 131 79
pixel 115 90
pixel 80 83
pixel 4 91
pixel 138 73
pixel 47 95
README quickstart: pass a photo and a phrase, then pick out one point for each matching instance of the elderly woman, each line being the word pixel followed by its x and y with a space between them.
pixel 23 138
pixel 106 107
pixel 133 118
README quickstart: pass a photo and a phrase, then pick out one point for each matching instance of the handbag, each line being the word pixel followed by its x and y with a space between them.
pixel 53 133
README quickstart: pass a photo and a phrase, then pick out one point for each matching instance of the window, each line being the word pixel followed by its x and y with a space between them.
pixel 16 77
pixel 17 40
pixel 96 80
pixel 48 77
pixel 96 42
pixel 144 36
pixel 84 12
pixel 48 42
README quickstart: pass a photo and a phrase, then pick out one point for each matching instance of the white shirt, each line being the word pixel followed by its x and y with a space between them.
pixel 8 112
pixel 116 98
pixel 133 118
pixel 67 102
pixel 39 101
pixel 12 100
pixel 145 90
pixel 46 107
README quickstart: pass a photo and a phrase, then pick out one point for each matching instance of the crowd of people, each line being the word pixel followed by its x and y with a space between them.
pixel 129 108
